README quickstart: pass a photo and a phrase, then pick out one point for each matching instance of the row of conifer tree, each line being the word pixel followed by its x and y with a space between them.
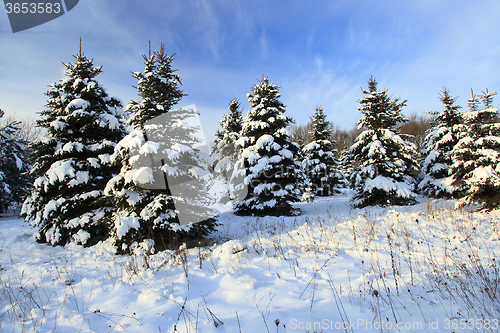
pixel 137 180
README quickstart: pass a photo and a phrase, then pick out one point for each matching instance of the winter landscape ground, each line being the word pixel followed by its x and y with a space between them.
pixel 426 267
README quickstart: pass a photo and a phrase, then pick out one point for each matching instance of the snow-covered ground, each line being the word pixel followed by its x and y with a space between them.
pixel 333 269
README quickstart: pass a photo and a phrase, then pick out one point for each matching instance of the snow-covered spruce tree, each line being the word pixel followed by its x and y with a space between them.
pixel 158 204
pixel 439 142
pixel 385 160
pixel 346 165
pixel 487 98
pixel 231 124
pixel 274 178
pixel 307 188
pixel 474 101
pixel 72 160
pixel 225 153
pixel 319 161
pixel 476 167
pixel 14 166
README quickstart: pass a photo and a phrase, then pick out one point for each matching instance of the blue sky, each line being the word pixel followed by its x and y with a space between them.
pixel 319 52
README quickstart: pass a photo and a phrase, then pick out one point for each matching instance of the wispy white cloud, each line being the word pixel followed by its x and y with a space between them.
pixel 209 26
pixel 321 86
pixel 310 39
pixel 263 45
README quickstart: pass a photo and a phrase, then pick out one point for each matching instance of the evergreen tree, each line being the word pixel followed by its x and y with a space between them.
pixel 439 142
pixel 346 165
pixel 487 98
pixel 225 152
pixel 225 143
pixel 72 160
pixel 319 160
pixel 306 187
pixel 473 102
pixel 14 166
pixel 385 160
pixel 477 157
pixel 273 176
pixel 158 198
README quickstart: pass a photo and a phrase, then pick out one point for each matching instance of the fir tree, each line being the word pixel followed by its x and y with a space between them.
pixel 473 102
pixel 225 143
pixel 14 166
pixel 439 142
pixel 487 98
pixel 273 176
pixel 319 160
pixel 72 161
pixel 226 152
pixel 346 165
pixel 385 160
pixel 158 198
pixel 477 157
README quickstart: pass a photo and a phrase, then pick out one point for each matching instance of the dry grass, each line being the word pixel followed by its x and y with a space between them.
pixel 408 261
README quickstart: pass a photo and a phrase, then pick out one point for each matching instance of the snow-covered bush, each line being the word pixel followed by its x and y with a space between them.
pixel 158 195
pixel 385 160
pixel 72 160
pixel 319 161
pixel 273 175
pixel 439 142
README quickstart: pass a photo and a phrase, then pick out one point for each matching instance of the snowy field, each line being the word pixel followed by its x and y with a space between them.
pixel 334 269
